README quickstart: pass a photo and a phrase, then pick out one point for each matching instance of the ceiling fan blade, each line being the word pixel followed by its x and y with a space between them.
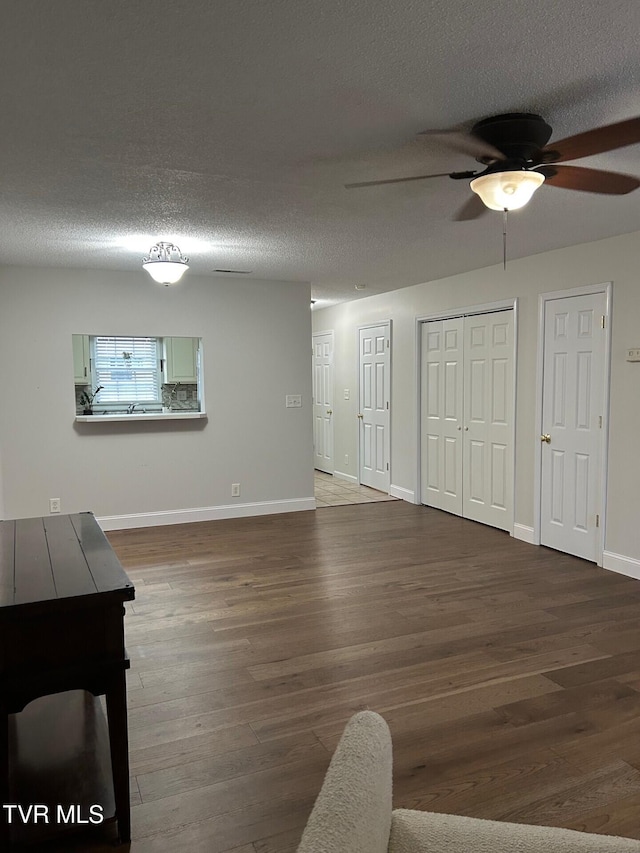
pixel 466 142
pixel 589 180
pixel 597 141
pixel 395 181
pixel 471 209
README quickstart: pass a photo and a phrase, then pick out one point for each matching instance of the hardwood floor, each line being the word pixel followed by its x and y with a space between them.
pixel 509 674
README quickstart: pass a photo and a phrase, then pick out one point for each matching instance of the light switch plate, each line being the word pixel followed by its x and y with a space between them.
pixel 293 401
pixel 347 394
pixel 633 354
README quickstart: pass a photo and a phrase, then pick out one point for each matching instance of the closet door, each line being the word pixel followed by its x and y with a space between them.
pixel 441 402
pixel 487 463
pixel 467 412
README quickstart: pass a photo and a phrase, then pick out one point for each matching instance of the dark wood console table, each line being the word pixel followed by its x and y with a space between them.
pixel 62 594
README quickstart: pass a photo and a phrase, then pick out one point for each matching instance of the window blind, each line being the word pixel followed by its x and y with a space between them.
pixel 127 369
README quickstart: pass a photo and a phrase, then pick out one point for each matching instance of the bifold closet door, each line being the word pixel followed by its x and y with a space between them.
pixel 467 411
pixel 441 406
pixel 487 460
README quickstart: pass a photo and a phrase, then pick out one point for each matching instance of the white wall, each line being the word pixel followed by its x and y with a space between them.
pixel 2 512
pixel 616 260
pixel 256 343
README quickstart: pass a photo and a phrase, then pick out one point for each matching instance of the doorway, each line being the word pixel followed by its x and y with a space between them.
pixel 330 491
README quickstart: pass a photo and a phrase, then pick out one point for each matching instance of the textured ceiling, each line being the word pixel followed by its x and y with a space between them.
pixel 231 126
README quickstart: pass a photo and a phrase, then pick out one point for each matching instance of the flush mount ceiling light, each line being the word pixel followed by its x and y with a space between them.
pixel 165 263
pixel 509 190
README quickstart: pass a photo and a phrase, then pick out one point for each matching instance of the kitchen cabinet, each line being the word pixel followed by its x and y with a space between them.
pixel 81 360
pixel 181 360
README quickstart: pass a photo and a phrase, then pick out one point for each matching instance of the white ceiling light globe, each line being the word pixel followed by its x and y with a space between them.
pixel 506 190
pixel 165 263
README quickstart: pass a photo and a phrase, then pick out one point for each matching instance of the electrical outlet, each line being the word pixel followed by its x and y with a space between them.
pixel 347 394
pixel 235 490
pixel 54 504
pixel 346 458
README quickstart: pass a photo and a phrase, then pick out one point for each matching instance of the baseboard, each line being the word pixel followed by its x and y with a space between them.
pixel 623 565
pixel 339 475
pixel 524 533
pixel 403 494
pixel 208 513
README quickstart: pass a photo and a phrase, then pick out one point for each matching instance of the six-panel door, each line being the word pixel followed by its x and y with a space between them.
pixel 323 402
pixel 374 407
pixel 572 417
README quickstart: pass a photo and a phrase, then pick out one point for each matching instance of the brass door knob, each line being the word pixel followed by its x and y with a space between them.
pixel 329 411
pixel 546 437
pixel 360 416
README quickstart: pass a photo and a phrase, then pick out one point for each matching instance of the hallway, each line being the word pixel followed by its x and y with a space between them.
pixel 330 491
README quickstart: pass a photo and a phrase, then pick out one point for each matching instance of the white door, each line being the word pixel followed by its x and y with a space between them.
pixel 441 414
pixel 374 398
pixel 467 417
pixel 487 462
pixel 323 402
pixel 572 417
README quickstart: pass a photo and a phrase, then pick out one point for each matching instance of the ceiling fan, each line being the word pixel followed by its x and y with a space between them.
pixel 513 149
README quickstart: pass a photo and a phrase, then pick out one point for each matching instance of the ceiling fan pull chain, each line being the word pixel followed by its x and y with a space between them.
pixel 504 238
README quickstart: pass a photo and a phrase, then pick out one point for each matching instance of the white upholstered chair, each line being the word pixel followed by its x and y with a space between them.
pixel 353 812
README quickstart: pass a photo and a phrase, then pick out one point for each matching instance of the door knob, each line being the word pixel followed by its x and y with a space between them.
pixel 360 416
pixel 546 437
pixel 329 411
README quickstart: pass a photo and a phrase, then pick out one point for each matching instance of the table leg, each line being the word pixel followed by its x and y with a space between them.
pixel 116 698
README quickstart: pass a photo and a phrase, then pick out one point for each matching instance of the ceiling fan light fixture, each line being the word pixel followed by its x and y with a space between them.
pixel 508 190
pixel 165 263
